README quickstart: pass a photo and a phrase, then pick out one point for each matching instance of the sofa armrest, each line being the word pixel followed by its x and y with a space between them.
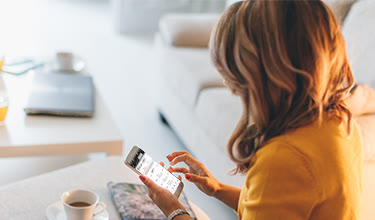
pixel 366 125
pixel 362 105
pixel 187 30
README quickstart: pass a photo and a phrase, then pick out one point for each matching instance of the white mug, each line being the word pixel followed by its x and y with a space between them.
pixel 81 204
pixel 65 61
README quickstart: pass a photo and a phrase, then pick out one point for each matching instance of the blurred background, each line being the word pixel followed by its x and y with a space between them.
pixel 115 39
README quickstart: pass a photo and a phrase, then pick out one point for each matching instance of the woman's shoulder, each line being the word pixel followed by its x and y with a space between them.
pixel 313 145
pixel 281 154
pixel 281 162
pixel 315 152
pixel 280 151
pixel 303 168
pixel 320 140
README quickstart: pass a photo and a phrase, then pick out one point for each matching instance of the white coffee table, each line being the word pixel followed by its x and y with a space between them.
pixel 23 135
pixel 28 199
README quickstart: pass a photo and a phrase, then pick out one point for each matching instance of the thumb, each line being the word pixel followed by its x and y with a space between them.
pixel 148 182
pixel 195 178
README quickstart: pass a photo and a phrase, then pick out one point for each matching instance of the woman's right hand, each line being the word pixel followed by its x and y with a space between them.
pixel 197 172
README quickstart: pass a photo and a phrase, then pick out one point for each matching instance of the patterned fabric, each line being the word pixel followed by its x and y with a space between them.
pixel 132 202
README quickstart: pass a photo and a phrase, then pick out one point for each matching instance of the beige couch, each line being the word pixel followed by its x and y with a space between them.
pixel 203 113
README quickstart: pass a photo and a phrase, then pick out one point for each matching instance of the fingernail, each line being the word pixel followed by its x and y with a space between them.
pixel 142 178
pixel 169 158
pixel 187 176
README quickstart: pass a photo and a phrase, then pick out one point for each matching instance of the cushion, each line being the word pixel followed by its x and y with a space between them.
pixel 362 101
pixel 362 105
pixel 359 33
pixel 185 71
pixel 340 8
pixel 218 112
pixel 187 30
pixel 230 2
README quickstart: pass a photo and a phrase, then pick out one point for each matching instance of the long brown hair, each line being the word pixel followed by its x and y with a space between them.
pixel 287 61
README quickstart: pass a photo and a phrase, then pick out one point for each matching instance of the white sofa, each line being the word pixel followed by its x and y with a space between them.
pixel 192 98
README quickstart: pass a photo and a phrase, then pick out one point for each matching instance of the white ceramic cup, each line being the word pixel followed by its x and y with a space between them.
pixel 85 212
pixel 65 61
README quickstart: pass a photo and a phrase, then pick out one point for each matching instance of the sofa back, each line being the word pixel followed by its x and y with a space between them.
pixel 359 32
pixel 193 30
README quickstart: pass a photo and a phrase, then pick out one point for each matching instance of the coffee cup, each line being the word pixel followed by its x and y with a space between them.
pixel 65 61
pixel 81 204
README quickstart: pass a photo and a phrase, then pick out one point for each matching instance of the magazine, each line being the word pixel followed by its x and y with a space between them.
pixel 133 203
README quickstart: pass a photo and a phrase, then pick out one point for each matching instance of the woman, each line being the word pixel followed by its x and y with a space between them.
pixel 296 140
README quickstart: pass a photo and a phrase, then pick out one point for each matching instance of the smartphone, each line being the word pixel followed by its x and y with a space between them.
pixel 143 164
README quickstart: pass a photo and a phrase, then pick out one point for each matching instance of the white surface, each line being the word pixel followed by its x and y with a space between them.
pixel 206 111
pixel 30 198
pixel 186 70
pixel 56 211
pixel 24 135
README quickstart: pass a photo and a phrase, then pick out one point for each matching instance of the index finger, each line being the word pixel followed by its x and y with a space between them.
pixel 171 156
pixel 186 158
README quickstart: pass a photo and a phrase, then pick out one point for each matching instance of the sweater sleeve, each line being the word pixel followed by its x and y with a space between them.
pixel 280 185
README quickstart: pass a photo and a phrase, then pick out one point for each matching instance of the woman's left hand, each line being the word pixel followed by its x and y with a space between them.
pixel 165 200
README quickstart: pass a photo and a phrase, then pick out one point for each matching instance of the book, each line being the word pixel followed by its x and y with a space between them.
pixel 61 94
pixel 133 203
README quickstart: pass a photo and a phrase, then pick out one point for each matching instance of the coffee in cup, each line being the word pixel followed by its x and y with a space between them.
pixel 81 204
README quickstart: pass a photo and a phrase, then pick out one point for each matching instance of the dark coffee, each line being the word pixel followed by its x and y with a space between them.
pixel 79 204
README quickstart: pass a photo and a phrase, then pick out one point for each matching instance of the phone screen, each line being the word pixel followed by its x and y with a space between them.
pixel 153 170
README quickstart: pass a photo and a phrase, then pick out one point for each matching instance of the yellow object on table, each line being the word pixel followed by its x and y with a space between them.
pixel 3 113
pixel 3 97
pixel 1 64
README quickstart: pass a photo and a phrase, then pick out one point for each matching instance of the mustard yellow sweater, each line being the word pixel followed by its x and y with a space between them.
pixel 314 172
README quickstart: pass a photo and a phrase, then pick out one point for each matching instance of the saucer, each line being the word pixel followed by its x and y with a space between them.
pixel 77 67
pixel 56 211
